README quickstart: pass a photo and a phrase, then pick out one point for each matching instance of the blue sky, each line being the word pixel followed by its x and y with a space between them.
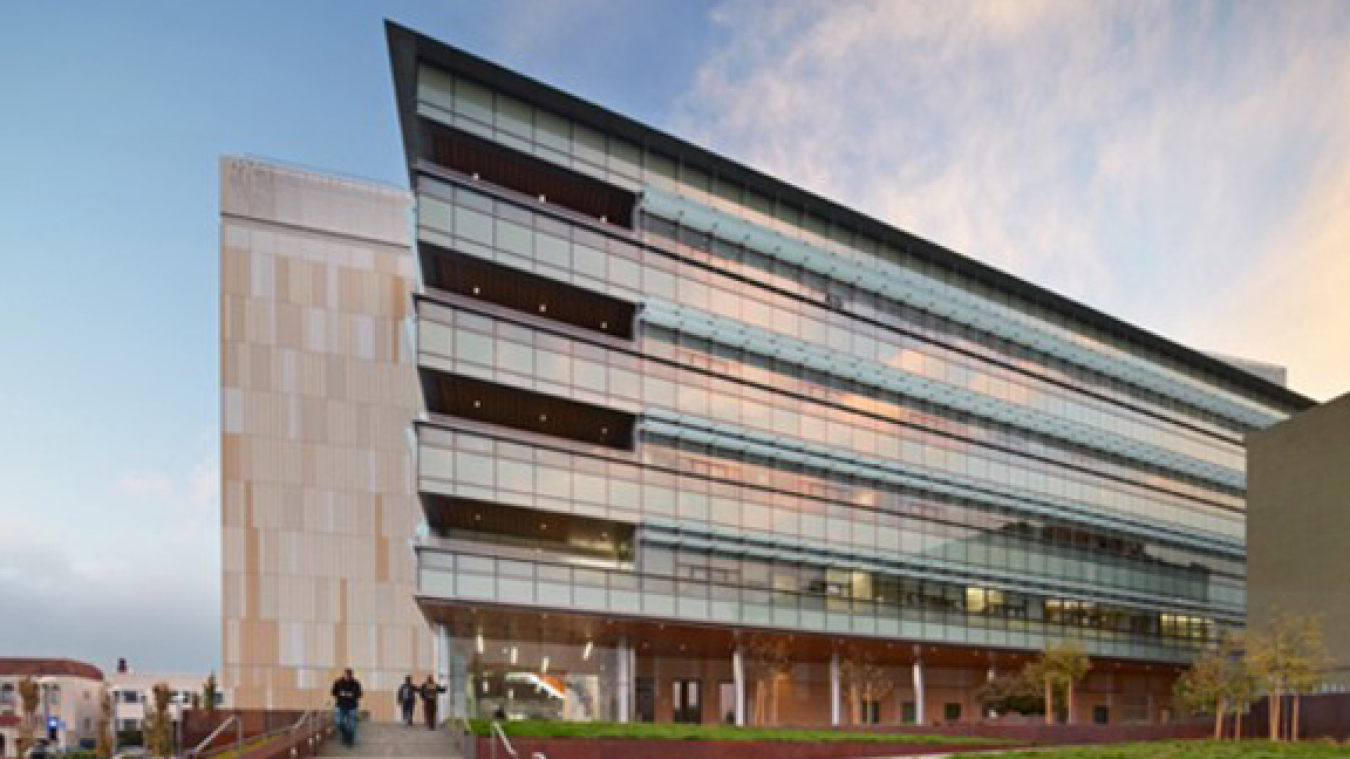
pixel 1183 166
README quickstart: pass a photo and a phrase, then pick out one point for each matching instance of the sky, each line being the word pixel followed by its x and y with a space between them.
pixel 1184 166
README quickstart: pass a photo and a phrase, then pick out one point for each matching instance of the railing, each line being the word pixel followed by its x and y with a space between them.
pixel 506 743
pixel 196 751
pixel 310 724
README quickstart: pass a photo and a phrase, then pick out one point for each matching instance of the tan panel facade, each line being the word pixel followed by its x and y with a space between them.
pixel 1298 524
pixel 318 389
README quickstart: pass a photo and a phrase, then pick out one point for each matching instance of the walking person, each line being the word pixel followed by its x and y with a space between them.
pixel 347 697
pixel 407 699
pixel 430 691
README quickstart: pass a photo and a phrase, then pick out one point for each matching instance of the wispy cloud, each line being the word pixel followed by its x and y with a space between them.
pixel 1159 161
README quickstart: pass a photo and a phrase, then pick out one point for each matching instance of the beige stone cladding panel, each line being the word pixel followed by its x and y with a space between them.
pixel 318 388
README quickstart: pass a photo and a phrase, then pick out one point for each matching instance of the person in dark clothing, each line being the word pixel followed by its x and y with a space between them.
pixel 407 699
pixel 430 690
pixel 347 697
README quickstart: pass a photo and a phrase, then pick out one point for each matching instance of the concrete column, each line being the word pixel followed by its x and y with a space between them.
pixel 989 676
pixel 442 638
pixel 738 679
pixel 920 717
pixel 624 681
pixel 835 716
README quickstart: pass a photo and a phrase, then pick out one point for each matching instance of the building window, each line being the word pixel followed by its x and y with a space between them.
pixel 951 712
pixel 908 713
pixel 1101 715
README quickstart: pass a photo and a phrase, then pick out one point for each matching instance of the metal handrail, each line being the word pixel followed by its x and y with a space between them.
pixel 501 734
pixel 305 721
pixel 239 737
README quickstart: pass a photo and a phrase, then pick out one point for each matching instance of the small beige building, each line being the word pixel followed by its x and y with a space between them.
pixel 68 707
pixel 1298 525
pixel 133 695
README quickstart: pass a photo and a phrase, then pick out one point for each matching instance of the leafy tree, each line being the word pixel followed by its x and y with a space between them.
pixel 104 746
pixel 30 696
pixel 210 693
pixel 1061 667
pixel 1218 682
pixel 159 723
pixel 1288 656
pixel 1018 693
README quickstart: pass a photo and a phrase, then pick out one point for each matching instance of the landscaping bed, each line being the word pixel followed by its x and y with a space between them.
pixel 1192 750
pixel 601 740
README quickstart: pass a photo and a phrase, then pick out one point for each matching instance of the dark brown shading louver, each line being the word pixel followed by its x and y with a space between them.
pixel 490 162
pixel 467 398
pixel 479 278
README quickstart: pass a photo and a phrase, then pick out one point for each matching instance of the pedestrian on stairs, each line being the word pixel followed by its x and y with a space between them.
pixel 407 699
pixel 430 692
pixel 347 697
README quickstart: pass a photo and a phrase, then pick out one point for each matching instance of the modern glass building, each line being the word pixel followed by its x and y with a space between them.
pixel 701 446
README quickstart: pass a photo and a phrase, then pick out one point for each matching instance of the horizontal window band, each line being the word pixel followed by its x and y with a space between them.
pixel 904 285
pixel 848 463
pixel 834 363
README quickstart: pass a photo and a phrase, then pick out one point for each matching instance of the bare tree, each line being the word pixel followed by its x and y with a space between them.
pixel 866 680
pixel 770 664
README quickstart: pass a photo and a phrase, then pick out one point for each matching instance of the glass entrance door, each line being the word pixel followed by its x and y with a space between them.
pixel 686 702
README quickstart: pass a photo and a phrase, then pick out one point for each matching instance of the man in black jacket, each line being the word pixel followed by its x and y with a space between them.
pixel 430 691
pixel 407 699
pixel 347 697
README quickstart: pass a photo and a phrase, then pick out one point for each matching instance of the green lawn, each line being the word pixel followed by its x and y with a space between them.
pixel 652 732
pixel 1192 750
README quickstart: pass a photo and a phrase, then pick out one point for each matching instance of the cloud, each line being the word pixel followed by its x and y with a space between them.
pixel 137 577
pixel 145 484
pixel 1154 160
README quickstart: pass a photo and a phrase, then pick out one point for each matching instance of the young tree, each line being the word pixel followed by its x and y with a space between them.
pixel 1289 656
pixel 1203 689
pixel 1017 693
pixel 159 723
pixel 1061 667
pixel 31 696
pixel 103 748
pixel 210 693
pixel 866 680
pixel 770 663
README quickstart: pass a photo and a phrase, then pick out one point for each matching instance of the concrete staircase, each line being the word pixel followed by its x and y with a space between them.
pixel 393 739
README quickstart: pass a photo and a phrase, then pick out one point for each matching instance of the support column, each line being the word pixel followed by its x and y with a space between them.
pixel 989 676
pixel 835 716
pixel 920 717
pixel 738 679
pixel 624 681
pixel 443 677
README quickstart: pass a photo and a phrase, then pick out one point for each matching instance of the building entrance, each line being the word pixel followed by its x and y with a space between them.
pixel 686 702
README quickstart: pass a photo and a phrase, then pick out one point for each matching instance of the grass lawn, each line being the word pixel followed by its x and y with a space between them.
pixel 1192 750
pixel 653 732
